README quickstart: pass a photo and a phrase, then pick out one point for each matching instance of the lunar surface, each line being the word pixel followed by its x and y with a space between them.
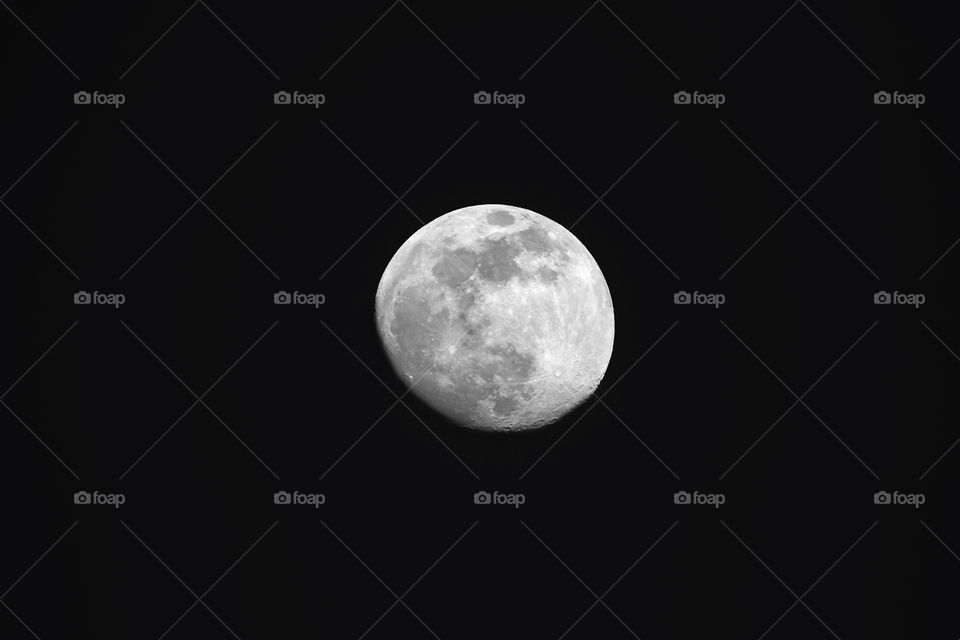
pixel 496 316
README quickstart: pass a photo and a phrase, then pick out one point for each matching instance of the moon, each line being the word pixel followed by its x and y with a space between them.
pixel 497 317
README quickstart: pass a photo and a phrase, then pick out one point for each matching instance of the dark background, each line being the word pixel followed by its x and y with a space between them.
pixel 292 411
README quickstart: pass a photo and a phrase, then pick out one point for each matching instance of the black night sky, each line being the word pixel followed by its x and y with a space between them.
pixel 799 160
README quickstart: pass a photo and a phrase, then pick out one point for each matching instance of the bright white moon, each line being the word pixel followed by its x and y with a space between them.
pixel 496 316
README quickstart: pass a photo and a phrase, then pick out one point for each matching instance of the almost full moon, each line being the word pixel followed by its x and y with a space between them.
pixel 496 316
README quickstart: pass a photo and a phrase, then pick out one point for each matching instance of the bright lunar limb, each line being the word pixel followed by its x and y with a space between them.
pixel 496 316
